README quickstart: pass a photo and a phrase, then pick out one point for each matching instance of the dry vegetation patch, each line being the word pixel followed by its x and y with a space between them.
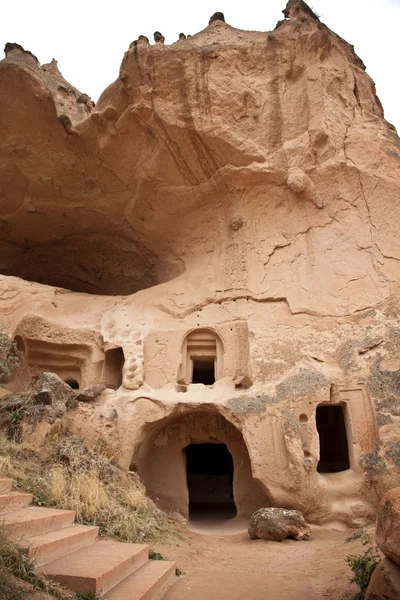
pixel 16 566
pixel 66 474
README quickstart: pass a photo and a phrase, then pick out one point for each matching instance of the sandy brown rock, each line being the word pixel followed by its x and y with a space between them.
pixel 300 99
pixel 90 394
pixel 49 389
pixel 388 525
pixel 385 582
pixel 276 524
pixel 259 225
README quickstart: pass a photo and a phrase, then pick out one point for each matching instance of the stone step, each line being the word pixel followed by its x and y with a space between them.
pixel 150 582
pixel 12 499
pixel 55 544
pixel 97 568
pixel 21 523
pixel 5 485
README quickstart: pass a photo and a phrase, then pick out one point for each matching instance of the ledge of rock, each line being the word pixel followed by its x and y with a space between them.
pixel 96 195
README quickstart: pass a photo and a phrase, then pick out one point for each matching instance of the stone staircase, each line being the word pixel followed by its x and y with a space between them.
pixel 74 556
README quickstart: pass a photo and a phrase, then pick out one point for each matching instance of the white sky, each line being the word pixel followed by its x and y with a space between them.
pixel 89 38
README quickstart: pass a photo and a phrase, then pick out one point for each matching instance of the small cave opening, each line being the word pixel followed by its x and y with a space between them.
pixel 209 473
pixel 333 444
pixel 204 370
pixel 113 367
pixel 72 384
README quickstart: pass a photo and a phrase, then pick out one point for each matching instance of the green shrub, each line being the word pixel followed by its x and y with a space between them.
pixel 155 555
pixel 363 565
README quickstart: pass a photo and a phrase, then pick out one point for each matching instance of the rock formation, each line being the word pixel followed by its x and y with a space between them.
pixel 277 524
pixel 385 581
pixel 215 242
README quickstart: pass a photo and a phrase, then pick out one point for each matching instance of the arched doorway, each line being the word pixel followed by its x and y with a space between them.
pixel 199 461
pixel 209 476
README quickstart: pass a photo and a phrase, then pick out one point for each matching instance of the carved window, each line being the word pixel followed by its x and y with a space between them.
pixel 202 356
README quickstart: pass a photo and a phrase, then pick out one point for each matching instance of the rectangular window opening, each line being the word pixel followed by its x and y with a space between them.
pixel 204 370
pixel 333 445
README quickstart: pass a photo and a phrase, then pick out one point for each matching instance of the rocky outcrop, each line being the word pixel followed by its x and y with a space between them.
pixel 90 394
pixel 49 389
pixel 388 525
pixel 385 581
pixel 69 101
pixel 277 524
pixel 166 134
pixel 47 400
pixel 264 219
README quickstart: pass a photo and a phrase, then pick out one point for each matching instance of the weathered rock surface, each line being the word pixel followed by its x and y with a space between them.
pixel 388 525
pixel 385 582
pixel 90 394
pixel 49 389
pixel 268 220
pixel 166 134
pixel 277 524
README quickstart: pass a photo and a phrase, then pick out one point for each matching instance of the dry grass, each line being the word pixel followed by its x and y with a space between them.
pixel 9 588
pixel 88 482
pixel 15 565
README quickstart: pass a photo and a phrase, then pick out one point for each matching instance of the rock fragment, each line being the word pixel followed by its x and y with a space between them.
pixel 218 16
pixel 276 524
pixel 90 394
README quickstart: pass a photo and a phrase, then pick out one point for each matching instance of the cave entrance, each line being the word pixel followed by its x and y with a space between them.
pixel 333 445
pixel 209 473
pixel 198 461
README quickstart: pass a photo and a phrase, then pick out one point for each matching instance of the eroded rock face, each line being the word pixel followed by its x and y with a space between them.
pixel 68 100
pixel 49 389
pixel 277 524
pixel 385 582
pixel 259 225
pixel 388 525
pixel 106 204
pixel 90 394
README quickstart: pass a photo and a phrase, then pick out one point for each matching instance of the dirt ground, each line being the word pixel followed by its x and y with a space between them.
pixel 234 567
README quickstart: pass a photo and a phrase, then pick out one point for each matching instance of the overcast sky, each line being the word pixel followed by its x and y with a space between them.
pixel 89 38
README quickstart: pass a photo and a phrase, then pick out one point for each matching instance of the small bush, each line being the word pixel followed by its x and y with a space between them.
pixel 10 356
pixel 155 555
pixel 363 565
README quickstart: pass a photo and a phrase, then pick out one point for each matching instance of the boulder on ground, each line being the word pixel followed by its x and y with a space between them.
pixel 49 389
pixel 90 394
pixel 385 582
pixel 388 525
pixel 277 524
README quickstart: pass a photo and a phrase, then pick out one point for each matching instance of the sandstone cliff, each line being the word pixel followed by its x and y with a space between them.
pixel 252 178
